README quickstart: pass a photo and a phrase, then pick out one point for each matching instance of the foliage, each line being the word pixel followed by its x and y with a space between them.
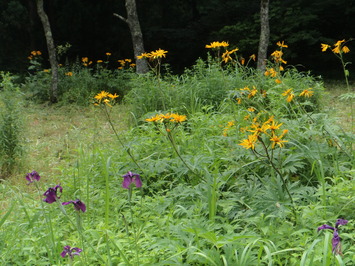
pixel 11 143
pixel 224 166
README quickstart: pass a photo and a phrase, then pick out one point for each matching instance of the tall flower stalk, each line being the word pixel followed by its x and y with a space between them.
pixel 105 100
pixel 170 121
pixel 339 49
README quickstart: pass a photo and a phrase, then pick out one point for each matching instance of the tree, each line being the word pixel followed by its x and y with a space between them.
pixel 136 34
pixel 264 34
pixel 51 50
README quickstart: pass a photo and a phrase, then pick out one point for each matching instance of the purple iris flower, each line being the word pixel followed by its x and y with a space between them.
pixel 336 238
pixel 33 176
pixel 78 205
pixel 68 250
pixel 130 178
pixel 52 194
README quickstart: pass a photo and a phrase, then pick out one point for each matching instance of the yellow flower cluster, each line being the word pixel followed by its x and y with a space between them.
pixel 34 54
pixel 339 47
pixel 226 56
pixel 277 58
pixel 153 55
pixel 262 131
pixel 125 62
pixel 214 45
pixel 85 61
pixel 164 118
pixel 105 97
pixel 290 94
pixel 249 93
pixel 69 74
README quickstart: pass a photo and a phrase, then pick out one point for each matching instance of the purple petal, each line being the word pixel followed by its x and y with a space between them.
pixel 325 226
pixel 126 182
pixel 79 205
pixel 63 254
pixel 138 181
pixel 335 241
pixel 340 222
pixel 67 202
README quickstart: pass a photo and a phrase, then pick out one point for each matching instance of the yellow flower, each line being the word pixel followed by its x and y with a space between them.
pixel 108 54
pixel 270 72
pixel 226 57
pixel 324 47
pixel 239 101
pixel 158 54
pixel 277 141
pixel 84 59
pixel 99 61
pixel 289 94
pixel 143 55
pixel 46 70
pixel 178 118
pixel 69 74
pixel 252 92
pixel 249 142
pixel 112 96
pixel 251 109
pixel 128 60
pixel 345 49
pixel 282 44
pixel 230 123
pixel 278 81
pixel 290 97
pixel 122 62
pixel 253 57
pixel 273 126
pixel 102 95
pixel 217 45
pixel 336 50
pixel 156 118
pixel 338 43
pixel 307 93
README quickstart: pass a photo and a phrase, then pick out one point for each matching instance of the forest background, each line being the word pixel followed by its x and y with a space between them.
pixel 182 27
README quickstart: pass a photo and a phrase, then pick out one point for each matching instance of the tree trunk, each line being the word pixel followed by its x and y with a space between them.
pixel 264 34
pixel 136 34
pixel 51 51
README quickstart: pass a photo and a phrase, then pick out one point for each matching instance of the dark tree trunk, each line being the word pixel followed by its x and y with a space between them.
pixel 51 50
pixel 136 34
pixel 264 34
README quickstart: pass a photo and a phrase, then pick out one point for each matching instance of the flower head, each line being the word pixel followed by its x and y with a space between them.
pixel 71 252
pixel 130 178
pixel 217 45
pixel 277 141
pixel 307 93
pixel 52 194
pixel 78 205
pixel 282 44
pixel 324 47
pixel 105 98
pixel 336 248
pixel 249 142
pixel 33 176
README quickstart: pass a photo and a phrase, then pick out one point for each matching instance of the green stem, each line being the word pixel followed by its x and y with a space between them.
pixel 135 234
pixel 119 139
pixel 48 221
pixel 172 141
